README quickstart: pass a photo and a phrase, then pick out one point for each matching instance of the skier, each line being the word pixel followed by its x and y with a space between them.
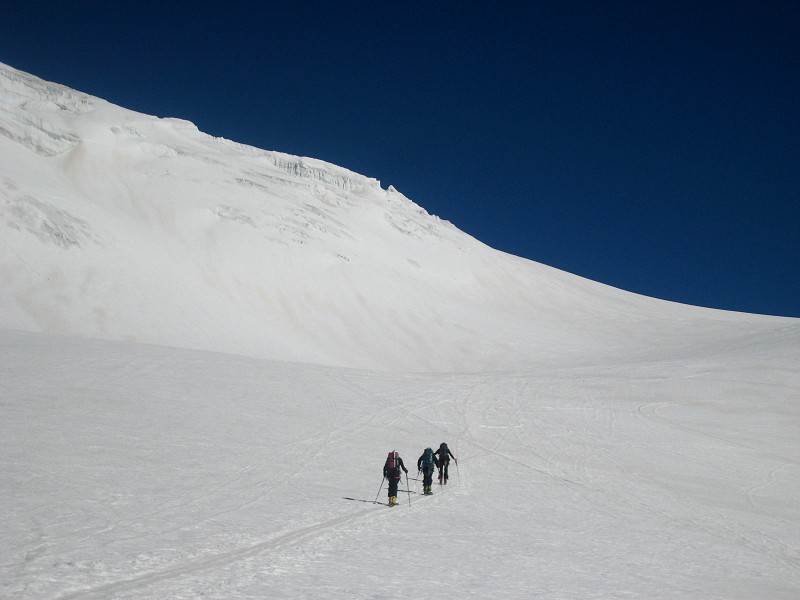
pixel 391 471
pixel 426 463
pixel 443 462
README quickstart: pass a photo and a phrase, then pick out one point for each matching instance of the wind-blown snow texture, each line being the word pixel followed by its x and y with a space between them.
pixel 207 349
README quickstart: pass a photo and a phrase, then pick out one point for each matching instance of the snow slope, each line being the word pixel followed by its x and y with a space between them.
pixel 206 351
pixel 133 471
pixel 118 225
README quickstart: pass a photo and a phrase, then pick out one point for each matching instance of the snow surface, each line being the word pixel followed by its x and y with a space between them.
pixel 207 350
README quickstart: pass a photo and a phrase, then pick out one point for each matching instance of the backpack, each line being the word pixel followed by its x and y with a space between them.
pixel 392 465
pixel 443 451
pixel 427 460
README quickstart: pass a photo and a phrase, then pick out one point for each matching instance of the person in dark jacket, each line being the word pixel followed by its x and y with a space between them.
pixel 391 470
pixel 443 456
pixel 426 464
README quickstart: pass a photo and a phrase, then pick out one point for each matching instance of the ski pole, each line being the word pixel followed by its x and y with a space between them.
pixel 379 490
pixel 457 471
pixel 408 489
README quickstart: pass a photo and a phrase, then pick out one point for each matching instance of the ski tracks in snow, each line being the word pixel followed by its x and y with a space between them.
pixel 579 438
pixel 213 562
pixel 298 455
pixel 723 522
pixel 555 430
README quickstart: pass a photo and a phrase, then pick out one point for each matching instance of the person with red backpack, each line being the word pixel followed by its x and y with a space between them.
pixel 443 462
pixel 391 471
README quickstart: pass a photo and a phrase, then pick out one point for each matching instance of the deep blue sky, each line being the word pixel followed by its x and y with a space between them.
pixel 650 145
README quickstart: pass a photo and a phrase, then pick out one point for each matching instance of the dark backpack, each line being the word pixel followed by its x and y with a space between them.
pixel 427 460
pixel 392 466
pixel 443 452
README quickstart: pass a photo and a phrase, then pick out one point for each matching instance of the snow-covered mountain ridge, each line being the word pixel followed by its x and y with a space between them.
pixel 119 225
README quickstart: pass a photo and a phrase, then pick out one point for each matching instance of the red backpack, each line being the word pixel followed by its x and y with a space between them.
pixel 393 465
